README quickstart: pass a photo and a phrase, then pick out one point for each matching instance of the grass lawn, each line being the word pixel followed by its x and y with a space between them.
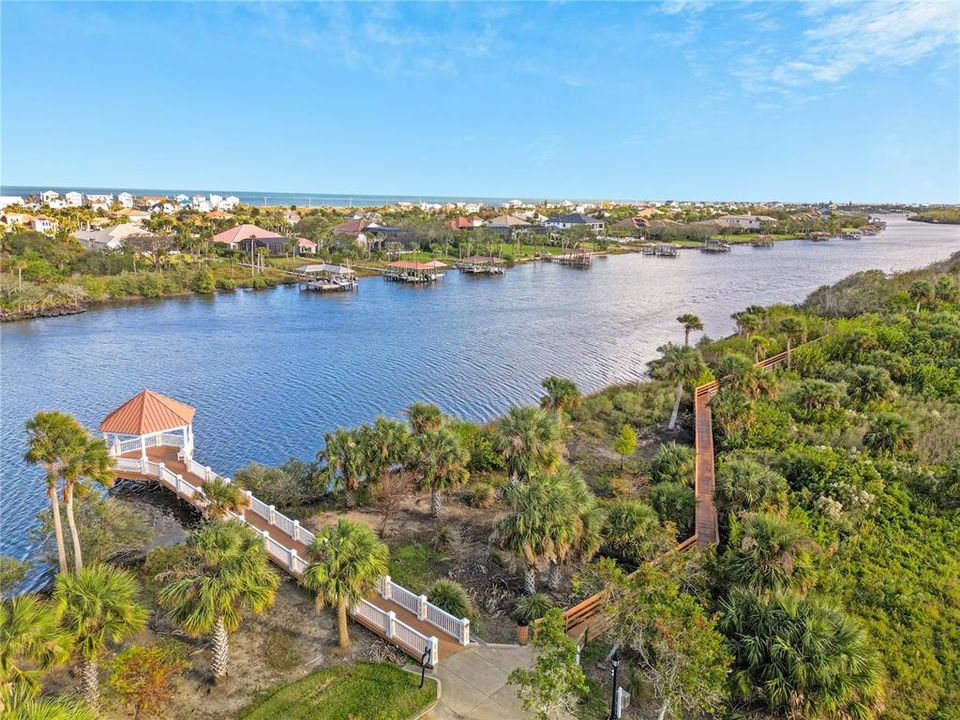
pixel 415 566
pixel 372 691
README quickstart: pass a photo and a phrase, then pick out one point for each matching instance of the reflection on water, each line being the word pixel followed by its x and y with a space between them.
pixel 271 371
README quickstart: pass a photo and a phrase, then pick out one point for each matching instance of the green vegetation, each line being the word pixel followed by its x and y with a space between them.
pixel 947 215
pixel 373 691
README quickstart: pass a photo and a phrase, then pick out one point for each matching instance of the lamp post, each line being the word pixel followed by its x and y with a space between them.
pixel 614 669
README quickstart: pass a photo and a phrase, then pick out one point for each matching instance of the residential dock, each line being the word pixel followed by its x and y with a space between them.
pixel 323 277
pixel 579 257
pixel 415 272
pixel 762 241
pixel 715 246
pixel 481 265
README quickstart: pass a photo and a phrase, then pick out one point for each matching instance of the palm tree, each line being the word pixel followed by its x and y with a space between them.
pixel 424 417
pixel 52 440
pixel 90 461
pixel 347 560
pixel 529 440
pixel 922 292
pixel 23 705
pixel 690 322
pixel 30 640
pixel 443 461
pixel 794 328
pixel 228 573
pixel 888 433
pixel 799 657
pixel 768 553
pixel 343 454
pixel 760 346
pixel 680 365
pixel 97 605
pixel 386 445
pixel 219 498
pixel 562 395
pixel 744 485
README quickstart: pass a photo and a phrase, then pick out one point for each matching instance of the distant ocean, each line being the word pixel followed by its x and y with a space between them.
pixel 267 198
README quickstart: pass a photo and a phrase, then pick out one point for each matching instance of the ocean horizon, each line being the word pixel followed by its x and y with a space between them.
pixel 267 198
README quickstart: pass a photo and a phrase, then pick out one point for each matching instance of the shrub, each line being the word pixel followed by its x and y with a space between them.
pixel 531 607
pixel 481 495
pixel 744 485
pixel 673 462
pixel 203 281
pixel 144 677
pixel 226 284
pixel 675 502
pixel 286 485
pixel 450 596
pixel 632 533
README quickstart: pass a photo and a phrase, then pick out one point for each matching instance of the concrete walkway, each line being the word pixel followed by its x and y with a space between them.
pixel 474 683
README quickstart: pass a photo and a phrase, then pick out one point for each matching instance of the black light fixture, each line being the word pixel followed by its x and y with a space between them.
pixel 614 669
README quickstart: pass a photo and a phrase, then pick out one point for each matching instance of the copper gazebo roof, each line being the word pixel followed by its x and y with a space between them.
pixel 147 412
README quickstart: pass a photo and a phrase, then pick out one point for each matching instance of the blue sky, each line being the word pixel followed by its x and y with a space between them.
pixel 676 100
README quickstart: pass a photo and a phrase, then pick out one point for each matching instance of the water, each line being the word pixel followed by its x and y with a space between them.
pixel 255 197
pixel 269 372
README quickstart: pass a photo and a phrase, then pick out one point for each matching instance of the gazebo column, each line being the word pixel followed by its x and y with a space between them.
pixel 143 447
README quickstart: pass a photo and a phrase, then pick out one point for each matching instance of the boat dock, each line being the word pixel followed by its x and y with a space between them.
pixel 481 265
pixel 715 246
pixel 414 272
pixel 762 241
pixel 150 438
pixel 579 258
pixel 323 277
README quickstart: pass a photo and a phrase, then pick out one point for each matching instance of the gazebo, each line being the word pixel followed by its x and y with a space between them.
pixel 149 419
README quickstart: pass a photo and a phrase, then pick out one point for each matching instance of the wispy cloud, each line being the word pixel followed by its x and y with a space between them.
pixel 845 38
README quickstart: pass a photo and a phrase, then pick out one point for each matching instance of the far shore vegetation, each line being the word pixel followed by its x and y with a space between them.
pixel 50 273
pixel 832 593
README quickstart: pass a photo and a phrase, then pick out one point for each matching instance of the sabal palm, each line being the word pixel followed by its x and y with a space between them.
pixel 690 323
pixel 90 461
pixel 768 553
pixel 346 561
pixel 227 573
pixel 680 365
pixel 424 417
pixel 30 640
pixel 561 396
pixel 798 657
pixel 52 440
pixel 795 330
pixel 218 498
pixel 23 705
pixel 443 462
pixel 529 440
pixel 97 606
pixel 343 454
pixel 888 433
pixel 386 444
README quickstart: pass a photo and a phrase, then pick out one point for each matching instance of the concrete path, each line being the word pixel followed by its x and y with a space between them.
pixel 474 684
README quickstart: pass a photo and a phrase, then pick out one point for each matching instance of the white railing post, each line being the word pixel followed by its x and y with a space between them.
pixel 209 476
pixel 422 607
pixel 292 559
pixel 296 531
pixel 273 514
pixel 179 480
pixel 266 541
pixel 386 592
pixel 434 651
pixel 391 624
pixel 465 632
pixel 249 499
pixel 160 468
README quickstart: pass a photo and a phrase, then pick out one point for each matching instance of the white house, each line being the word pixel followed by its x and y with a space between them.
pixel 11 220
pixel 42 224
pixel 215 201
pixel 48 195
pixel 229 202
pixel 125 199
pixel 110 238
pixel 74 199
pixel 57 203
pixel 571 220
pixel 182 200
pixel 96 203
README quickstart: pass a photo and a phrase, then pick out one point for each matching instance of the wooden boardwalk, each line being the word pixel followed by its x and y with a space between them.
pixel 168 456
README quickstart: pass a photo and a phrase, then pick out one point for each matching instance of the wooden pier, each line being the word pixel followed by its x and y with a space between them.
pixel 715 246
pixel 481 265
pixel 151 440
pixel 408 271
pixel 762 241
pixel 323 277
pixel 578 258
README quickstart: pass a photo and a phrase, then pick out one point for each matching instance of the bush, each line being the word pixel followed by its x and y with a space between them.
pixel 226 284
pixel 481 495
pixel 673 463
pixel 203 281
pixel 287 485
pixel 632 533
pixel 451 597
pixel 530 608
pixel 675 502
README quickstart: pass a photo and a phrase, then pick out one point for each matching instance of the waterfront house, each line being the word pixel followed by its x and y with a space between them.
pixel 306 247
pixel 358 228
pixel 215 200
pixel 125 199
pixel 47 195
pixel 506 225
pixel 743 222
pixel 465 223
pixel 182 200
pixel 229 202
pixel 243 237
pixel 98 204
pixel 572 220
pixel 110 238
pixel 631 224
pixel 12 219
pixel 73 198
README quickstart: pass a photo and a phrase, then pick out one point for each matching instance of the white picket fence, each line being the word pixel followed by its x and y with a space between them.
pixel 287 557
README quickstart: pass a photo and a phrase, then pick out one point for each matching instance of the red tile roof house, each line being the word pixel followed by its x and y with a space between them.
pixel 463 223
pixel 239 237
pixel 356 228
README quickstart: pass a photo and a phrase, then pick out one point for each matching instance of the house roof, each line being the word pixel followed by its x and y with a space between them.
pixel 633 223
pixel 461 223
pixel 147 412
pixel 482 259
pixel 353 226
pixel 243 232
pixel 574 219
pixel 507 221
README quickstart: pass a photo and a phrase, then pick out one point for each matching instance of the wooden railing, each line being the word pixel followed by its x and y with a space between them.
pixel 706 526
